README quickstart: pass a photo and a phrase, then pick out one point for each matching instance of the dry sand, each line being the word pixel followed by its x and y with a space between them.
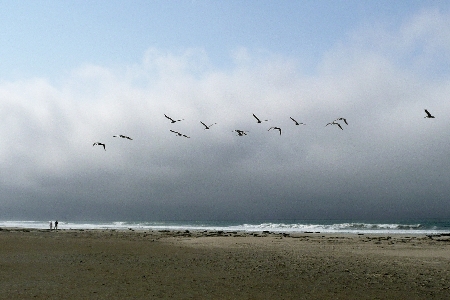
pixel 109 264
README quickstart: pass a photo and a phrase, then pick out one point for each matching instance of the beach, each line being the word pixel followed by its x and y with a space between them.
pixel 137 264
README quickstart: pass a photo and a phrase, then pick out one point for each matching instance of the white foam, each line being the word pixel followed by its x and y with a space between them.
pixel 272 227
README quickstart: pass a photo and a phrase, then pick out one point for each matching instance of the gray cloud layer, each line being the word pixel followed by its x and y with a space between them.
pixel 388 162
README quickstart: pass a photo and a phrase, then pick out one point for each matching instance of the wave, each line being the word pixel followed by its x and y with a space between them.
pixel 336 227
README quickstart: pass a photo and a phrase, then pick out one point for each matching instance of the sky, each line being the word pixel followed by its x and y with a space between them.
pixel 73 73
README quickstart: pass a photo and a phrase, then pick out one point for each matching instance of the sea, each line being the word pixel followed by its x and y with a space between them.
pixel 410 227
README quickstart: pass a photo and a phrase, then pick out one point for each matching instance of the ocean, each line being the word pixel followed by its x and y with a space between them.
pixel 419 227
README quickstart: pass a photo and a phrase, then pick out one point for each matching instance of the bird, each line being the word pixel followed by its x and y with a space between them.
pixel 179 134
pixel 100 144
pixel 258 120
pixel 172 120
pixel 275 128
pixel 341 119
pixel 297 123
pixel 207 127
pixel 335 123
pixel 428 115
pixel 123 136
pixel 240 132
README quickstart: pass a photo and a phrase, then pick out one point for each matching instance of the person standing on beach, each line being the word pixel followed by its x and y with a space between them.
pixel 51 225
pixel 56 225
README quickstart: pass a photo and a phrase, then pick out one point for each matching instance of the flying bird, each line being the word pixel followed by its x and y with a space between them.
pixel 335 123
pixel 179 134
pixel 207 127
pixel 258 120
pixel 172 120
pixel 275 128
pixel 123 136
pixel 428 115
pixel 100 144
pixel 240 132
pixel 296 123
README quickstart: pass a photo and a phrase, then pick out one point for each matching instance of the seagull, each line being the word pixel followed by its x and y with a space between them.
pixel 275 128
pixel 334 123
pixel 297 123
pixel 258 120
pixel 172 120
pixel 240 132
pixel 207 127
pixel 341 119
pixel 123 136
pixel 428 115
pixel 100 144
pixel 179 134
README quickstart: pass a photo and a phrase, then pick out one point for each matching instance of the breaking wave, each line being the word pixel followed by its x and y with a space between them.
pixel 338 227
pixel 425 227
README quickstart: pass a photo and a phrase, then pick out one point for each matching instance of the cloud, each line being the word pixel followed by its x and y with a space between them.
pixel 389 160
pixel 420 44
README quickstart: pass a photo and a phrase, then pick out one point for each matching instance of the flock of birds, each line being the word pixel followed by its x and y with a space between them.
pixel 240 132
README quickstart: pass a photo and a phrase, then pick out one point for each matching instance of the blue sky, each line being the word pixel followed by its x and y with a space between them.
pixel 47 38
pixel 74 73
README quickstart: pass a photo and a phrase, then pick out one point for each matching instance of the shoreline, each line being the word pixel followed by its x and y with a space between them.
pixel 135 264
pixel 209 232
pixel 416 227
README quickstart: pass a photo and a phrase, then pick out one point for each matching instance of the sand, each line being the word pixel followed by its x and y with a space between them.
pixel 110 264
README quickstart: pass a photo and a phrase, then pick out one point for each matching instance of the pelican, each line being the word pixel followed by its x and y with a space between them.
pixel 335 123
pixel 179 134
pixel 258 120
pixel 100 144
pixel 296 123
pixel 172 120
pixel 240 132
pixel 275 128
pixel 123 136
pixel 207 127
pixel 428 115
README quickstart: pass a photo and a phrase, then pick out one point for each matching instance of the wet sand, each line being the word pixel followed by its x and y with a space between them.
pixel 111 264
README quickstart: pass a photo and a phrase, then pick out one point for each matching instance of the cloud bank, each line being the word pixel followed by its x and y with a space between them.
pixel 388 162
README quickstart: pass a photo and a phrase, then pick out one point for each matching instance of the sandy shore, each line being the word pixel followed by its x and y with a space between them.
pixel 96 264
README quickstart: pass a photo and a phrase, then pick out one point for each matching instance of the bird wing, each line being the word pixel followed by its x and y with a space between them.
pixel 99 144
pixel 256 118
pixel 204 124
pixel 341 119
pixel 168 117
pixel 428 113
